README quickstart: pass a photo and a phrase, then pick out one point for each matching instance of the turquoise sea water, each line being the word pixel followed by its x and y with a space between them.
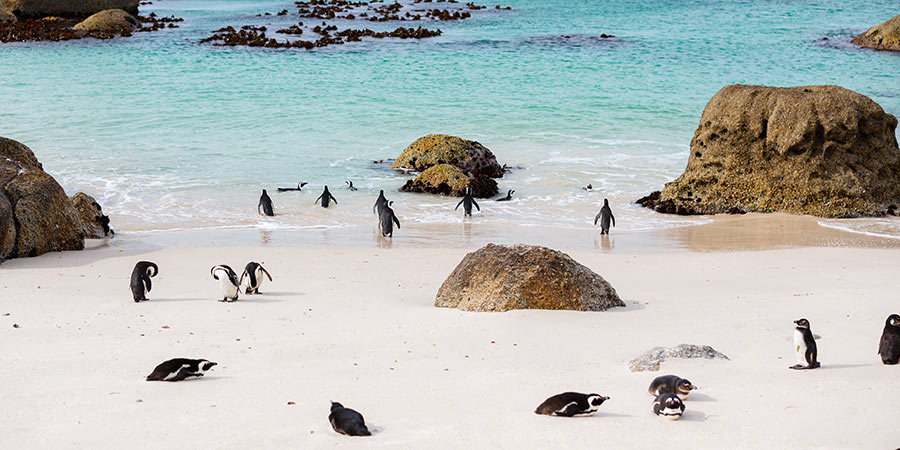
pixel 171 134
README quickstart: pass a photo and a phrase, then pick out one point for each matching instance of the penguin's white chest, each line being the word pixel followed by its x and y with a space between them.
pixel 800 346
pixel 229 290
pixel 259 278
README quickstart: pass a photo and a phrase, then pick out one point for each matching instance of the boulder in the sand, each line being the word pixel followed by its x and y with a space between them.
pixel 651 359
pixel 884 36
pixel 819 150
pixel 94 224
pixel 7 16
pixel 110 21
pixel 473 159
pixel 503 278
pixel 36 9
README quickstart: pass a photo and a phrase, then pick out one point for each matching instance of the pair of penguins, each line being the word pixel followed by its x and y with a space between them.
pixel 386 216
pixel 808 352
pixel 265 202
pixel 228 280
pixel 669 392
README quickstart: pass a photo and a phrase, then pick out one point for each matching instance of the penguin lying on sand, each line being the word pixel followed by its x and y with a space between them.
pixel 668 406
pixel 570 404
pixel 179 369
pixel 347 421
pixel 671 383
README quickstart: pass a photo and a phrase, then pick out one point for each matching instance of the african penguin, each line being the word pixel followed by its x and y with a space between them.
pixel 140 279
pixel 508 196
pixel 326 198
pixel 347 421
pixel 889 348
pixel 298 188
pixel 179 369
pixel 379 203
pixel 265 203
pixel 588 187
pixel 805 346
pixel 254 272
pixel 228 281
pixel 668 406
pixel 604 216
pixel 386 220
pixel 673 384
pixel 467 202
pixel 570 404
pixel 350 185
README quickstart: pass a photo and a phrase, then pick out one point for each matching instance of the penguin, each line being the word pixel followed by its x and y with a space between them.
pixel 228 281
pixel 604 216
pixel 570 404
pixel 179 369
pixel 386 220
pixel 671 383
pixel 508 196
pixel 254 272
pixel 379 203
pixel 298 188
pixel 889 348
pixel 326 198
pixel 467 203
pixel 347 421
pixel 265 203
pixel 668 406
pixel 350 185
pixel 140 279
pixel 588 187
pixel 805 346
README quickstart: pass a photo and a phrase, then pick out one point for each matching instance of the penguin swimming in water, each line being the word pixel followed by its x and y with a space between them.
pixel 350 185
pixel 254 272
pixel 805 346
pixel 180 369
pixel 668 406
pixel 228 281
pixel 508 196
pixel 386 220
pixel 265 203
pixel 298 188
pixel 347 421
pixel 467 202
pixel 604 216
pixel 889 347
pixel 380 202
pixel 570 404
pixel 326 198
pixel 671 383
pixel 140 279
pixel 588 187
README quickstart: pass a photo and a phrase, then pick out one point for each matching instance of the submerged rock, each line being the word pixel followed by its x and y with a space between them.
pixel 503 278
pixel 110 20
pixel 472 159
pixel 651 359
pixel 820 150
pixel 36 9
pixel 884 36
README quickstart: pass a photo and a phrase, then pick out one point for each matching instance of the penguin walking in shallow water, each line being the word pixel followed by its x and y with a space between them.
pixel 467 202
pixel 180 369
pixel 588 187
pixel 326 197
pixel 889 347
pixel 671 383
pixel 605 216
pixel 386 221
pixel 668 406
pixel 265 204
pixel 347 421
pixel 254 272
pixel 140 279
pixel 380 202
pixel 228 282
pixel 350 185
pixel 571 404
pixel 508 196
pixel 298 188
pixel 805 346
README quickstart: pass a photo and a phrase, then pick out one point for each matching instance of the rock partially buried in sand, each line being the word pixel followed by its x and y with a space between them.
pixel 884 36
pixel 36 9
pixel 110 20
pixel 819 150
pixel 474 160
pixel 503 278
pixel 650 360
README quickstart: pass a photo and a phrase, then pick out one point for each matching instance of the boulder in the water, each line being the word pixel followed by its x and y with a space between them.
pixel 884 36
pixel 474 160
pixel 36 9
pixel 110 21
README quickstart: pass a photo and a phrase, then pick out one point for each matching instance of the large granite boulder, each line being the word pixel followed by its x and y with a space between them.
pixel 819 150
pixel 474 160
pixel 35 215
pixel 36 9
pixel 884 36
pixel 502 278
pixel 110 21
pixel 94 224
pixel 7 16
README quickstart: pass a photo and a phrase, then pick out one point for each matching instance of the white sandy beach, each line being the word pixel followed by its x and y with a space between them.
pixel 359 326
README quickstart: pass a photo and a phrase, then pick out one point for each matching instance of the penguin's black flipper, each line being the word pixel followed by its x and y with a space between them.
pixel 147 282
pixel 319 198
pixel 476 205
pixel 597 217
pixel 613 218
pixel 333 199
pixel 396 220
pixel 460 203
pixel 265 272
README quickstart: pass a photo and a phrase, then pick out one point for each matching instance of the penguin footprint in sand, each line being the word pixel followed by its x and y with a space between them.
pixel 570 404
pixel 347 421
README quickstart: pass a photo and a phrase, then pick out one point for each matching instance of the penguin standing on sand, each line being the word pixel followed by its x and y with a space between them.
pixel 805 346
pixel 180 369
pixel 347 421
pixel 265 204
pixel 508 196
pixel 254 272
pixel 570 404
pixel 605 216
pixel 140 279
pixel 326 197
pixel 386 220
pixel 228 281
pixel 671 383
pixel 889 348
pixel 668 406
pixel 380 202
pixel 350 185
pixel 467 202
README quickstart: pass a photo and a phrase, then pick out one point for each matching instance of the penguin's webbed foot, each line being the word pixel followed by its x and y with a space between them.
pixel 798 367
